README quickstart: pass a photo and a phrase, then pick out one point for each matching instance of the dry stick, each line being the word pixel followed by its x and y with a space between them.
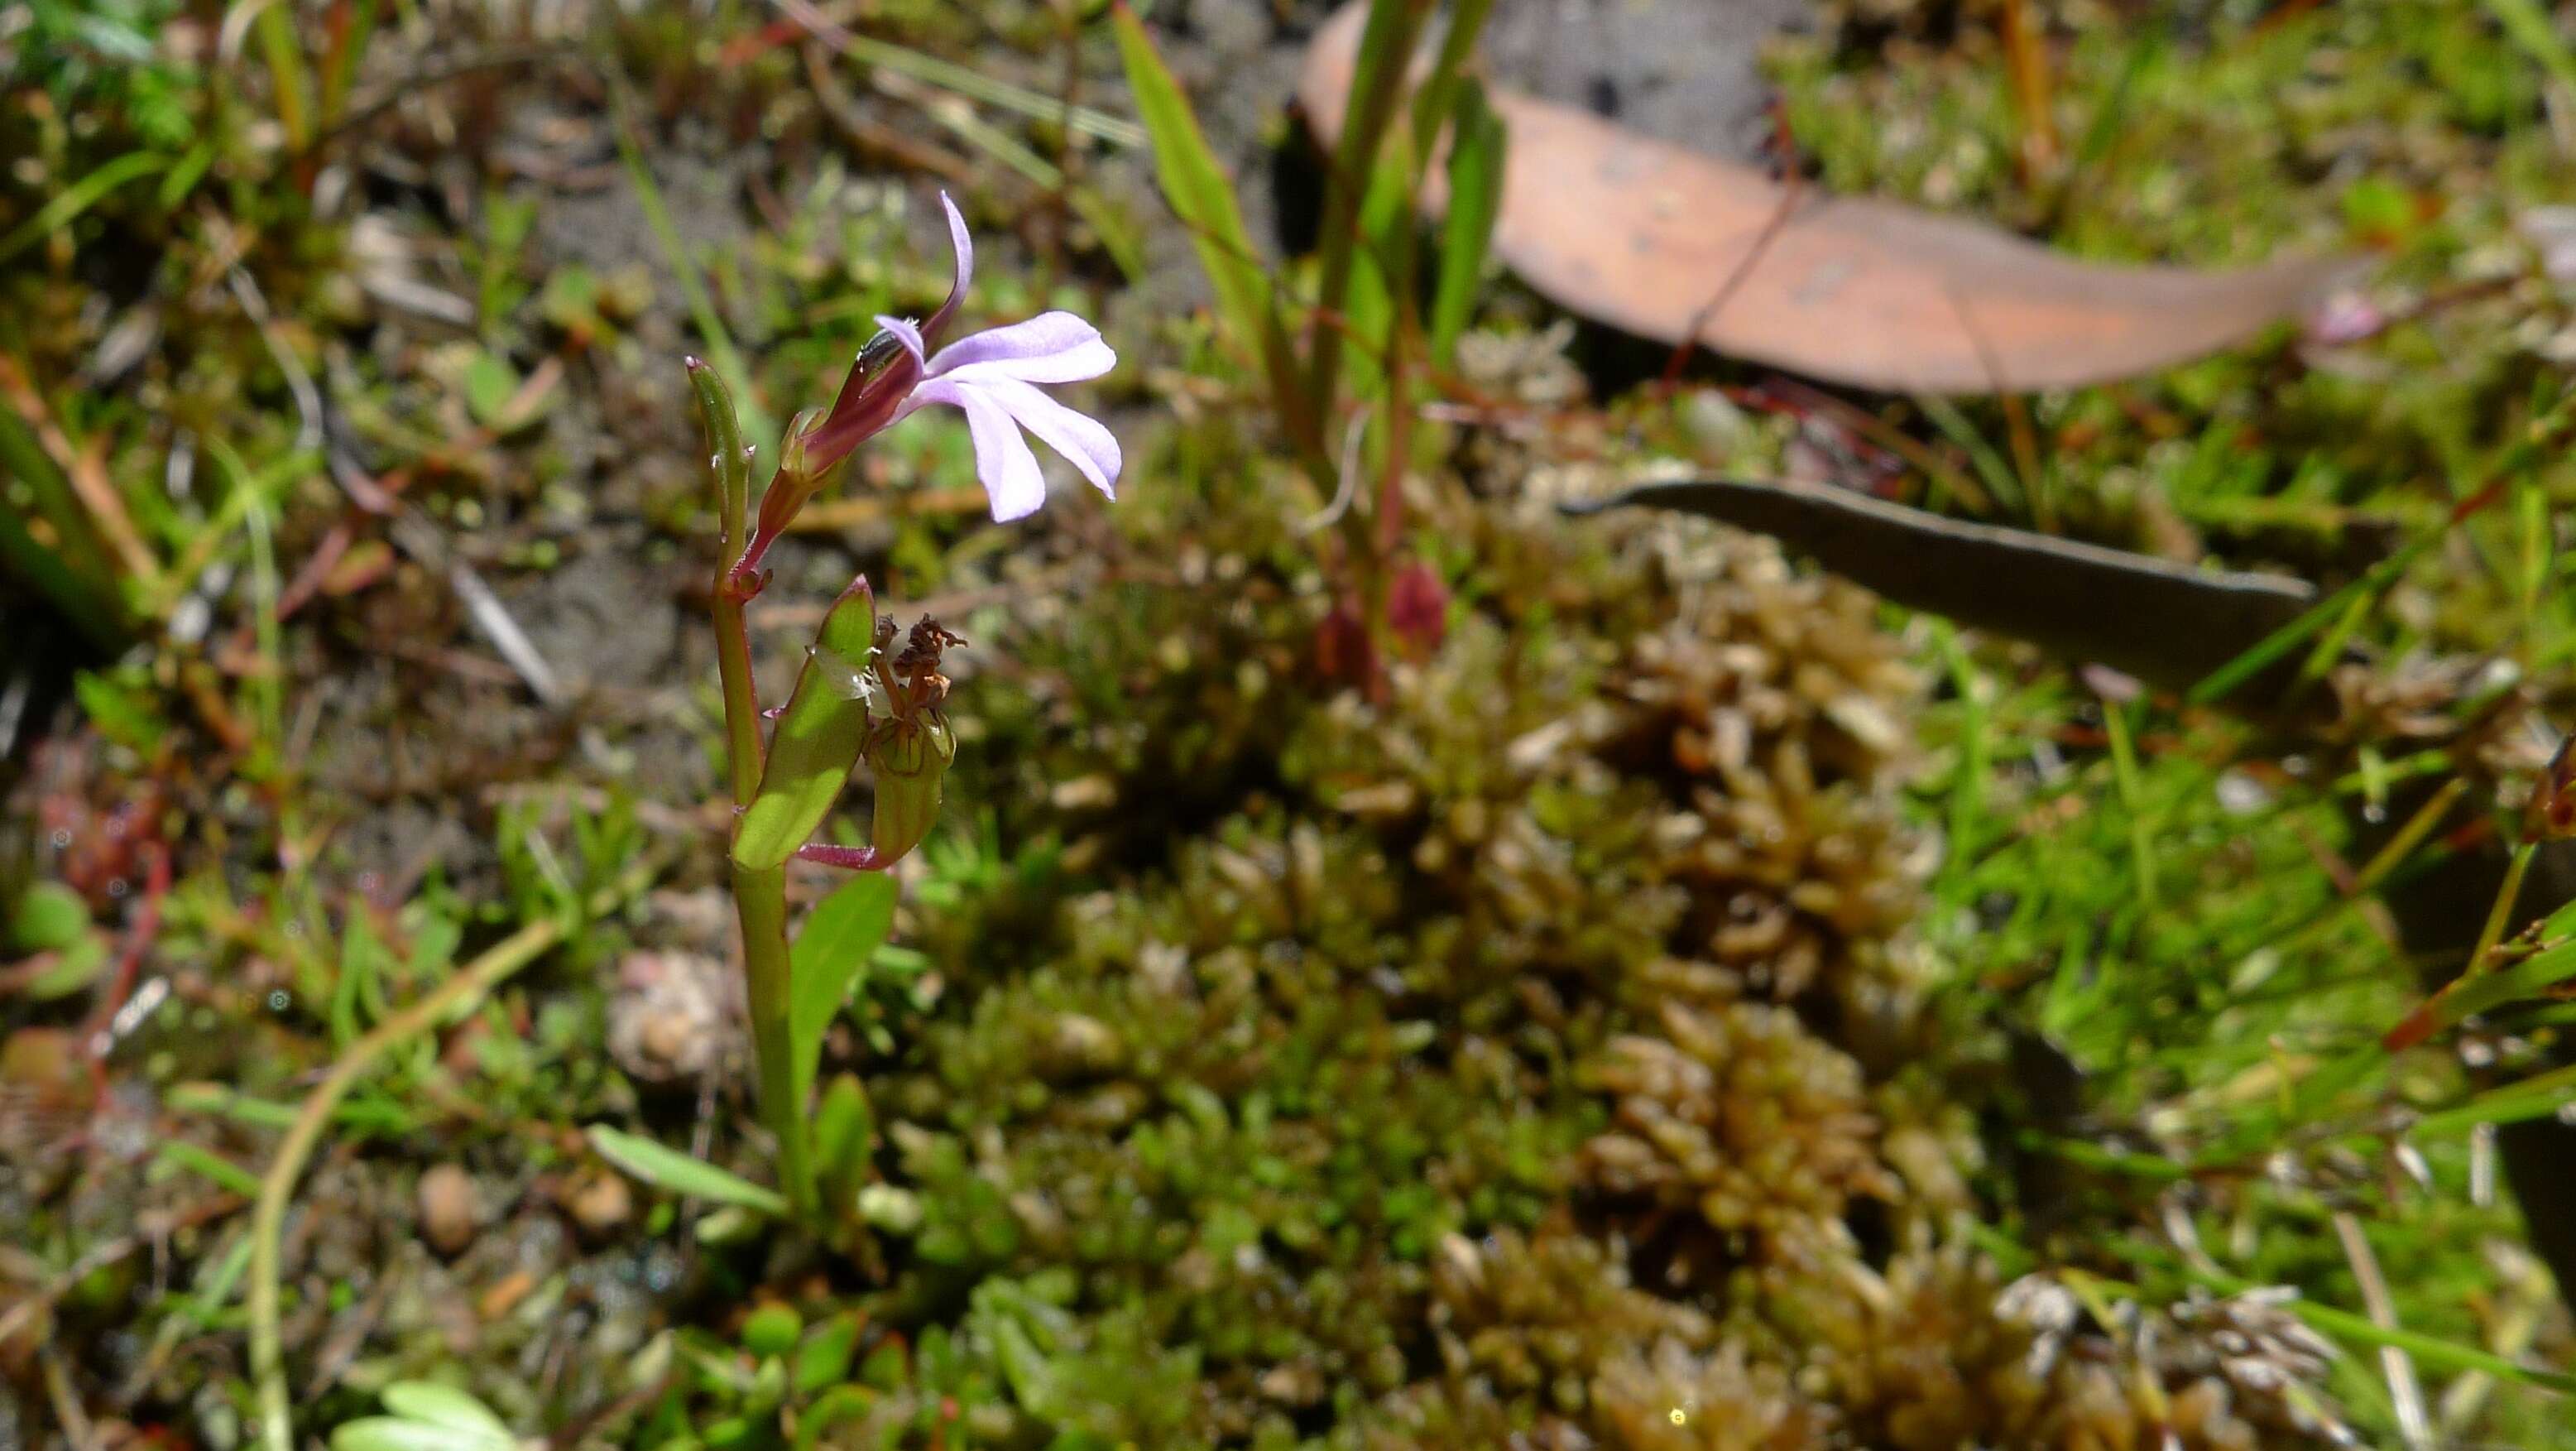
pixel 277 1186
pixel 1793 184
pixel 2404 1392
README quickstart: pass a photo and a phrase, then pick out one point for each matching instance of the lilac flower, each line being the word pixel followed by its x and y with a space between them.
pixel 993 378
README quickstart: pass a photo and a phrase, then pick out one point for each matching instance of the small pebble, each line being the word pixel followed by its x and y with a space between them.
pixel 599 1202
pixel 449 1212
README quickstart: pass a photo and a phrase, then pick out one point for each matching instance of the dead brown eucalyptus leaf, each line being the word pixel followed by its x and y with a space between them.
pixel 1652 238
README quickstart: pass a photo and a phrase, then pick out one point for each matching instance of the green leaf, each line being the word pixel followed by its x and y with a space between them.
pixel 824 1359
pixel 818 739
pixel 1475 200
pixel 843 1131
pixel 489 382
pixel 1368 116
pixel 439 1405
pixel 67 567
pixel 1202 196
pixel 77 198
pixel 73 968
pixel 772 1329
pixel 842 932
pixel 680 1173
pixel 49 917
pixel 392 1433
pixel 2528 23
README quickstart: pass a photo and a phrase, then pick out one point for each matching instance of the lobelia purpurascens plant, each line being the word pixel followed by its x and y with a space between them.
pixel 857 696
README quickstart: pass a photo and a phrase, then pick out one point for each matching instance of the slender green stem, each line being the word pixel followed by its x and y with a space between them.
pixel 760 899
pixel 759 894
pixel 2501 911
pixel 730 464
pixel 1377 85
pixel 741 704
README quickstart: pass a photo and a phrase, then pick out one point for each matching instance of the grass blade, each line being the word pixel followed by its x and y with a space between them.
pixel 1475 201
pixel 1377 83
pixel 1202 196
pixel 668 1168
pixel 68 569
pixel 77 198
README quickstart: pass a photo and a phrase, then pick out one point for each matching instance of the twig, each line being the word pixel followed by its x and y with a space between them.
pixel 2405 1393
pixel 277 1186
pixel 299 379
pixel 77 1429
pixel 1350 479
pixel 1793 184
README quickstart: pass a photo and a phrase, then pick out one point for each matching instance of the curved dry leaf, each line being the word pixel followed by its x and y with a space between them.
pixel 2168 624
pixel 1645 236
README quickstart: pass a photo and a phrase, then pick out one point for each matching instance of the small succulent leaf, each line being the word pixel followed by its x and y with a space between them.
pixel 442 1405
pixel 49 916
pixel 393 1433
pixel 844 1127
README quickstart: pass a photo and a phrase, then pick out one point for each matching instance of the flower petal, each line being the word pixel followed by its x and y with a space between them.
pixel 963 246
pixel 1052 347
pixel 1003 463
pixel 904 331
pixel 1078 436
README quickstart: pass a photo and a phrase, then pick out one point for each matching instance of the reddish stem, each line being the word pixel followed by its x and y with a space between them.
pixel 847 858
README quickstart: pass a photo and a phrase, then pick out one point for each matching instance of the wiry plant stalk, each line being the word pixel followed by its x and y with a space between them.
pixel 759 894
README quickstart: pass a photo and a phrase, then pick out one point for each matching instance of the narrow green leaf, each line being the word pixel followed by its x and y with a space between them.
pixel 670 1169
pixel 839 936
pixel 1197 188
pixel 844 1130
pixel 818 739
pixel 69 569
pixel 725 456
pixel 1381 273
pixel 1202 196
pixel 2538 1096
pixel 1377 85
pixel 2528 23
pixel 1475 201
pixel 77 198
pixel 222 1172
pixel 1433 103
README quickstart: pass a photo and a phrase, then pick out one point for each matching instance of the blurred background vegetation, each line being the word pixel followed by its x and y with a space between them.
pixel 1399 969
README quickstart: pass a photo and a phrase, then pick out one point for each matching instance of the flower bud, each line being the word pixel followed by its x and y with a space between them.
pixel 880 380
pixel 2550 814
pixel 909 758
pixel 799 478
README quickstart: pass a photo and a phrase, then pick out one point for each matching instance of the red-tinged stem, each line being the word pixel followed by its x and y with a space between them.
pixel 759 895
pixel 741 700
pixel 847 858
